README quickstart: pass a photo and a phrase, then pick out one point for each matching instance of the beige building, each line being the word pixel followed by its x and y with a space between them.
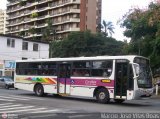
pixel 2 21
pixel 28 18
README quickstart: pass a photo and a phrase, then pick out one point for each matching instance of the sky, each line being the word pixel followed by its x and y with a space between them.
pixel 112 10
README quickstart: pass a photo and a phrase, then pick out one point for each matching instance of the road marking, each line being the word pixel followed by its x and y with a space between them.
pixel 49 115
pixel 38 98
pixel 7 100
pixel 22 110
pixel 79 116
pixel 46 111
pixel 12 98
pixel 22 97
pixel 17 108
pixel 6 104
pixel 11 106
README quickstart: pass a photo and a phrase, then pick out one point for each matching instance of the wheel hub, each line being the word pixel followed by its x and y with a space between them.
pixel 102 95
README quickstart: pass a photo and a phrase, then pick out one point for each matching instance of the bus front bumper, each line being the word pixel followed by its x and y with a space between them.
pixel 143 93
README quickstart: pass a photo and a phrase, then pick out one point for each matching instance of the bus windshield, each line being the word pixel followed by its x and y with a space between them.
pixel 145 77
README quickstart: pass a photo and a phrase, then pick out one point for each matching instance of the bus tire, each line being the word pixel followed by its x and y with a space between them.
pixel 102 95
pixel 39 91
pixel 119 100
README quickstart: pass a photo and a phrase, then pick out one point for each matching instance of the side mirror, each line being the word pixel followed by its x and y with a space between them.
pixel 136 68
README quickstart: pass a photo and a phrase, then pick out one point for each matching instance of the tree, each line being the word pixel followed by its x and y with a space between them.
pixel 143 27
pixel 49 33
pixel 22 33
pixel 86 44
pixel 108 28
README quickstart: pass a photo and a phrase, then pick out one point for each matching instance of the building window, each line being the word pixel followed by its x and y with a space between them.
pixel 35 47
pixel 10 42
pixel 25 46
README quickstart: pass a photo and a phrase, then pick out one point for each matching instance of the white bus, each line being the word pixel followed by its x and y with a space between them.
pixel 104 77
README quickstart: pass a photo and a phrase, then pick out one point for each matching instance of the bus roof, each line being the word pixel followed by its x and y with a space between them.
pixel 129 57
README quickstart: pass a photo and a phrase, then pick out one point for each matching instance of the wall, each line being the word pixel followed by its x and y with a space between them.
pixel 16 53
pixel 10 54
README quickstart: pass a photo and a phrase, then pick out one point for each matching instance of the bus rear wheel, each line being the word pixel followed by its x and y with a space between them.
pixel 119 100
pixel 102 95
pixel 39 91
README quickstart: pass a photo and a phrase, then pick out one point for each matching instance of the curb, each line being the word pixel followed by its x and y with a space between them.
pixel 156 97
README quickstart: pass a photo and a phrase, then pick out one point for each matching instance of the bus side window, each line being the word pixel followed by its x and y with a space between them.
pixel 75 73
pixel 102 68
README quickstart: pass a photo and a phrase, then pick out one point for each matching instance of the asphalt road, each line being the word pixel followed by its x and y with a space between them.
pixel 17 104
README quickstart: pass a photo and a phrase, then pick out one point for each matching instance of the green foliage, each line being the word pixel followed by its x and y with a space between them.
pixel 49 33
pixel 22 33
pixel 22 3
pixel 86 44
pixel 108 28
pixel 32 30
pixel 143 27
pixel 34 15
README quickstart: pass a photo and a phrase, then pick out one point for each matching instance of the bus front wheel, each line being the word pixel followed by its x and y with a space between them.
pixel 39 91
pixel 102 95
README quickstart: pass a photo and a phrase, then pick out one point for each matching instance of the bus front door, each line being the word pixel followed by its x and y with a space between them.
pixel 63 80
pixel 121 79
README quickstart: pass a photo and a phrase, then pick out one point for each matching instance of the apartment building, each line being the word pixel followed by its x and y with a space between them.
pixel 28 18
pixel 2 21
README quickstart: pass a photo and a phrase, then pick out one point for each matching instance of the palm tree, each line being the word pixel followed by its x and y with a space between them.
pixel 108 28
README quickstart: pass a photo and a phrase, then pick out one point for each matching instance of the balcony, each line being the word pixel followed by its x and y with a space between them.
pixel 75 19
pixel 27 27
pixel 43 9
pixel 27 12
pixel 27 19
pixel 42 1
pixel 55 5
pixel 77 1
pixel 13 2
pixel 42 25
pixel 55 14
pixel 68 30
pixel 42 17
pixel 22 7
pixel 75 10
pixel 58 22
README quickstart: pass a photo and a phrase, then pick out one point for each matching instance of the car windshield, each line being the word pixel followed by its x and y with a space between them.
pixel 8 79
pixel 145 77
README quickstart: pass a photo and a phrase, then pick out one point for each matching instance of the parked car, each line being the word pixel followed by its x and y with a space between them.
pixel 6 82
